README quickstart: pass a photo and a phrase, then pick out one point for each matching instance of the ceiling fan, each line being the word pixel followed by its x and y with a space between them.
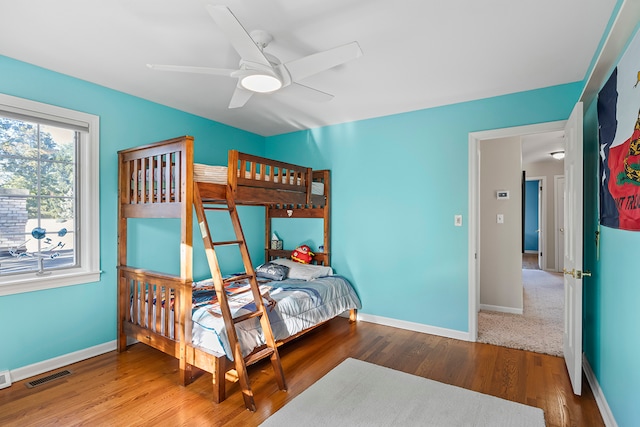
pixel 260 72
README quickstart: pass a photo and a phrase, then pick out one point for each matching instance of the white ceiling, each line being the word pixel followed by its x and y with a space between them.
pixel 538 147
pixel 417 54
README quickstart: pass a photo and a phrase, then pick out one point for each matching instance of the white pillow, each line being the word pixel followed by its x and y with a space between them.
pixel 304 271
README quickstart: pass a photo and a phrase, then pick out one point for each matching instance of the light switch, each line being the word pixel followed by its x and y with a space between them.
pixel 457 221
pixel 500 219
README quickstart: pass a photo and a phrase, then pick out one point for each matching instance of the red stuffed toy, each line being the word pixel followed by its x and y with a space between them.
pixel 302 254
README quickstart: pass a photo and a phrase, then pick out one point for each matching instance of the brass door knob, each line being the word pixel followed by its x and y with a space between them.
pixel 576 274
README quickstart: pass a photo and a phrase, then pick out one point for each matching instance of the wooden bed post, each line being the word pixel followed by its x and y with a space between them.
pixel 232 173
pixel 185 165
pixel 327 217
pixel 267 232
pixel 123 197
pixel 309 181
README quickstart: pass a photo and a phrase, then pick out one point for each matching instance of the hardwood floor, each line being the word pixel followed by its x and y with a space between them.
pixel 140 386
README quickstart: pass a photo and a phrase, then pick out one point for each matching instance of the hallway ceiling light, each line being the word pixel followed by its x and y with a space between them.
pixel 559 155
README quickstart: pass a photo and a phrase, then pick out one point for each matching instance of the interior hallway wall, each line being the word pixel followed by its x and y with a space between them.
pixel 501 242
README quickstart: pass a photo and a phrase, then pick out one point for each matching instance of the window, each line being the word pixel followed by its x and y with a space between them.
pixel 49 196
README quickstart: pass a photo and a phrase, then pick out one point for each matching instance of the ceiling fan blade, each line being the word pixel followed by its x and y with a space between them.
pixel 240 97
pixel 313 64
pixel 237 35
pixel 188 69
pixel 306 92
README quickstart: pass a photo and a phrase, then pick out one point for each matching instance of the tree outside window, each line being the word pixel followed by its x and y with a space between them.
pixel 49 196
pixel 37 197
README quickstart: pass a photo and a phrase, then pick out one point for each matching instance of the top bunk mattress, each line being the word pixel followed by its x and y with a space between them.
pixel 218 175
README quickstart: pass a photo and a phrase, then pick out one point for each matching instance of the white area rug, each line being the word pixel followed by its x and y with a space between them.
pixel 357 393
pixel 539 328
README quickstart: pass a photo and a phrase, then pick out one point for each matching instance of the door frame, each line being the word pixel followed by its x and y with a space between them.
pixel 474 206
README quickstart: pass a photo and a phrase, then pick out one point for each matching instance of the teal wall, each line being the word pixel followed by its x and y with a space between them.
pixel 41 325
pixel 398 181
pixel 612 342
pixel 611 296
pixel 531 216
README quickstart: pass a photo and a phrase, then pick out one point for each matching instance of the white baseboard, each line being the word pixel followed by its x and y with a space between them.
pixel 501 309
pixel 60 361
pixel 601 401
pixel 417 327
pixel 530 252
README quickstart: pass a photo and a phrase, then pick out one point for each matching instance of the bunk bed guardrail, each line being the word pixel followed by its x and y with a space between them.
pixel 155 176
pixel 149 307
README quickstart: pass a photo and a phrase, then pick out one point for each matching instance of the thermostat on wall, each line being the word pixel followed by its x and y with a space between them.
pixel 502 195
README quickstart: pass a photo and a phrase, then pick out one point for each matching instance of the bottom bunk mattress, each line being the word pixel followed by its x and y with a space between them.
pixel 299 305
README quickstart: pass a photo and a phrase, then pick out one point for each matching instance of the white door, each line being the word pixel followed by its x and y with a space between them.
pixel 572 339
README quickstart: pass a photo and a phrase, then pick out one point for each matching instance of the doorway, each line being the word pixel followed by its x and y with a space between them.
pixel 519 308
pixel 534 224
pixel 474 206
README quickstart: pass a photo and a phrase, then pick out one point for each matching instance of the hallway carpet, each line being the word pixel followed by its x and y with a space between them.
pixel 540 327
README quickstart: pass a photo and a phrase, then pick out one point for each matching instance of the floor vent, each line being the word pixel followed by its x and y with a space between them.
pixel 5 379
pixel 48 378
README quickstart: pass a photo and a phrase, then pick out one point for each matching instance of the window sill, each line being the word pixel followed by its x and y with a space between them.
pixel 57 279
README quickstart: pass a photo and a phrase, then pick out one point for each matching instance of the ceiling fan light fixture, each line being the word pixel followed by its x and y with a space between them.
pixel 558 155
pixel 261 83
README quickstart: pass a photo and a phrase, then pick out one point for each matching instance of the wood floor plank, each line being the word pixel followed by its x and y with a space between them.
pixel 140 386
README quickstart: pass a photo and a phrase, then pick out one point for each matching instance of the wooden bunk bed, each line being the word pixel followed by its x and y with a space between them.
pixel 160 180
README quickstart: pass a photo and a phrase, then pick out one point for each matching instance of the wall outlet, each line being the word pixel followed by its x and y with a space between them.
pixel 500 219
pixel 5 379
pixel 457 220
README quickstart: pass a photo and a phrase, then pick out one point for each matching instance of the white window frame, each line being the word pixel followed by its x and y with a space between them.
pixel 88 215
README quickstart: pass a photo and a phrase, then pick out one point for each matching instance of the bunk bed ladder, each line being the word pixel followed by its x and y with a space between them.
pixel 271 349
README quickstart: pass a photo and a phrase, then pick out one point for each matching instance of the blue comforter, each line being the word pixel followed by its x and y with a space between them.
pixel 300 305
